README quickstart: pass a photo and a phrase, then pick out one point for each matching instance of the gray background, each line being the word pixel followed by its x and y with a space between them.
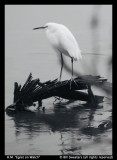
pixel 28 51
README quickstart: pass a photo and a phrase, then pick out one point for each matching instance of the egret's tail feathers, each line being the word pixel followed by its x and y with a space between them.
pixel 77 56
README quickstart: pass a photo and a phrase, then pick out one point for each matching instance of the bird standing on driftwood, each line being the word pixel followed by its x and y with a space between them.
pixel 63 41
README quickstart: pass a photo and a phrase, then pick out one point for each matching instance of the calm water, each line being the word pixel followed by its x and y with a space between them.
pixel 66 128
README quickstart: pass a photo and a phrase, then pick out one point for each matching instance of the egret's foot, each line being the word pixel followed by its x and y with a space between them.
pixel 57 81
pixel 72 79
pixel 67 81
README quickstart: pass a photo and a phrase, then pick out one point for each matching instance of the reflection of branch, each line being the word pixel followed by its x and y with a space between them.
pixel 91 116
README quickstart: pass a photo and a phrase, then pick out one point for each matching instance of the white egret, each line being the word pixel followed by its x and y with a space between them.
pixel 63 41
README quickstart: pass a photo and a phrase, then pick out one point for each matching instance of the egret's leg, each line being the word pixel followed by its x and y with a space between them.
pixel 61 66
pixel 59 79
pixel 72 66
pixel 60 73
pixel 72 75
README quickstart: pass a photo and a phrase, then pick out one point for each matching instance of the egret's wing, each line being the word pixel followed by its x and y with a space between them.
pixel 67 44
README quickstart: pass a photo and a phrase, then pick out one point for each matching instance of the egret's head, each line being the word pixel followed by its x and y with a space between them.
pixel 48 26
pixel 51 26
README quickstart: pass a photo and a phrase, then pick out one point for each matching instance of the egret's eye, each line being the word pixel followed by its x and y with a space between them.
pixel 46 26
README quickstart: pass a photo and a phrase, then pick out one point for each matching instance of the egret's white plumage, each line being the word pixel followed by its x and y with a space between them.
pixel 63 40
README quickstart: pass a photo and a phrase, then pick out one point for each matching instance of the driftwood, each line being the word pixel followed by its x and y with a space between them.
pixel 34 90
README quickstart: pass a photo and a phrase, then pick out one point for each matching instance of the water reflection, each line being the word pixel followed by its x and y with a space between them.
pixel 59 118
pixel 73 125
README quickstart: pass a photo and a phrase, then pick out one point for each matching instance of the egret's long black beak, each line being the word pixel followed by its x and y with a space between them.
pixel 39 28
